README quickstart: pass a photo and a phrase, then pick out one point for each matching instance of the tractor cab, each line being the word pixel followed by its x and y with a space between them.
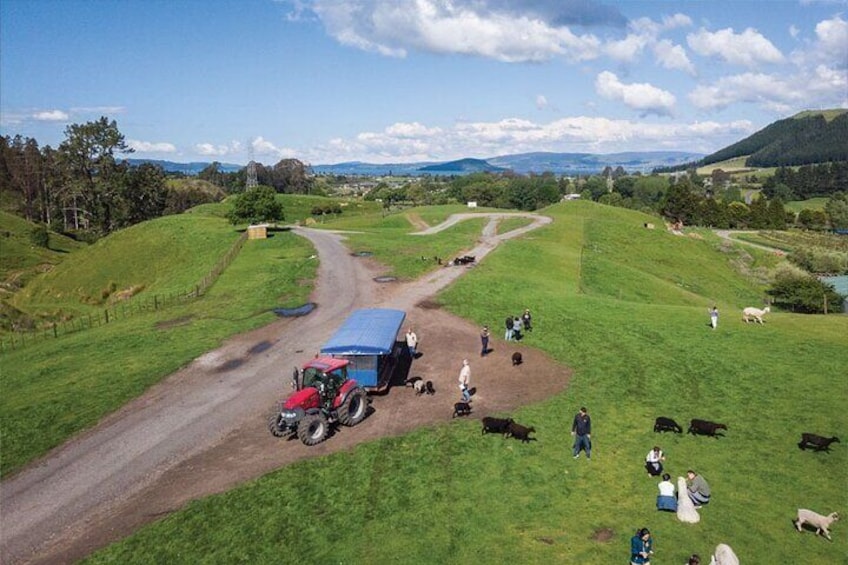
pixel 323 373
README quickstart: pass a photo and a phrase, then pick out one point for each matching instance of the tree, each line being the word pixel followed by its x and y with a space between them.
pixel 143 194
pixel 88 153
pixel 255 206
pixel 836 208
pixel 738 215
pixel 776 214
pixel 681 203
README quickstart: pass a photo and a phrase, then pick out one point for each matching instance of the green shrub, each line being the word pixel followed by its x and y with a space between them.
pixel 801 292
pixel 40 237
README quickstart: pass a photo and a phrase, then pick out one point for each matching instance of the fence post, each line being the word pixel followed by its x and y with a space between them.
pixel 55 332
pixel 106 311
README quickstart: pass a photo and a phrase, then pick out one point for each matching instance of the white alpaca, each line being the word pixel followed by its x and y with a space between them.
pixel 751 313
pixel 724 556
pixel 685 507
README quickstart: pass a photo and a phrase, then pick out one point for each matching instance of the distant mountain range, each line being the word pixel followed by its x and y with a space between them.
pixel 187 168
pixel 523 163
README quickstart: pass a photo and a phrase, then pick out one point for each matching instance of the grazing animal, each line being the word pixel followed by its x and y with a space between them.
pixel 663 424
pixel 461 409
pixel 517 359
pixel 520 432
pixel 751 313
pixel 819 443
pixel 420 387
pixel 464 260
pixel 429 388
pixel 705 428
pixel 496 425
pixel 723 555
pixel 821 523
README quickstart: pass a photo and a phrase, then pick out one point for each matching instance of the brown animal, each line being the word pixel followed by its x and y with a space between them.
pixel 520 432
pixel 705 428
pixel 516 359
pixel 818 443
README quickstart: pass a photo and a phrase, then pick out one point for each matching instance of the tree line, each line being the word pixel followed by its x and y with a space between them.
pixel 86 187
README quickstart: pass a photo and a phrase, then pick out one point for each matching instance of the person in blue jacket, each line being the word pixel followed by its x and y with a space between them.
pixel 641 547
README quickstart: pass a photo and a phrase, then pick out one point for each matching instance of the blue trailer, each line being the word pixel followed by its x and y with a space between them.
pixel 369 339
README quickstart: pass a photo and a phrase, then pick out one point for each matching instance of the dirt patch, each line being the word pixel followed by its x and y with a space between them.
pixel 603 535
pixel 428 304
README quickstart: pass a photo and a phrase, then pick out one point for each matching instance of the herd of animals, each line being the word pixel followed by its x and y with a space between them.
pixel 509 428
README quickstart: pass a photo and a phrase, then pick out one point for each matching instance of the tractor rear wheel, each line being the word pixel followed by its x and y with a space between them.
pixel 352 411
pixel 312 429
pixel 275 424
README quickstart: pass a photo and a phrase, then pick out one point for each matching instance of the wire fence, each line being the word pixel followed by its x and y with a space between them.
pixel 140 305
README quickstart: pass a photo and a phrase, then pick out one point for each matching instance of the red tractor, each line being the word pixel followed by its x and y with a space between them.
pixel 324 395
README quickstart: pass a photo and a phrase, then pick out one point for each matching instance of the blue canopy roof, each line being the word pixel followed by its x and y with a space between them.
pixel 366 332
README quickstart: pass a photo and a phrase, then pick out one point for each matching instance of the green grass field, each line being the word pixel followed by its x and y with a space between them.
pixel 626 308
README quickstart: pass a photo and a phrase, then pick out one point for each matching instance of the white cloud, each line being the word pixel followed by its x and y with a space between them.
pixel 644 97
pixel 833 40
pixel 766 90
pixel 627 49
pixel 541 102
pixel 460 26
pixel 748 48
pixel 212 150
pixel 51 116
pixel 673 57
pixel 515 135
pixel 151 147
pixel 794 31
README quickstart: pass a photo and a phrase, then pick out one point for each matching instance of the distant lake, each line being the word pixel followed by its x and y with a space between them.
pixel 839 283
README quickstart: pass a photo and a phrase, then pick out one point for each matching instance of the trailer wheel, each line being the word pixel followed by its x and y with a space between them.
pixel 275 424
pixel 312 429
pixel 352 410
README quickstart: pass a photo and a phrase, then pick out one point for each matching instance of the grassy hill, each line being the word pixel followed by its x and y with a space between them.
pixel 626 308
pixel 806 138
pixel 21 261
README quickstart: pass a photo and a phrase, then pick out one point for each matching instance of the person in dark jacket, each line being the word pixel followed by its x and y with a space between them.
pixel 509 325
pixel 581 429
pixel 641 547
pixel 527 321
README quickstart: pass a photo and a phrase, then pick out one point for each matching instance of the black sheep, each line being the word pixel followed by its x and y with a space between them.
pixel 517 359
pixel 461 409
pixel 663 424
pixel 818 443
pixel 520 432
pixel 706 428
pixel 496 425
pixel 429 388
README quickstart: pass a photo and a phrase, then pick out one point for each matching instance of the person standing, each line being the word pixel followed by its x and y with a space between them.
pixel 699 490
pixel 714 317
pixel 509 325
pixel 411 342
pixel 464 380
pixel 484 341
pixel 581 429
pixel 516 328
pixel 641 547
pixel 527 320
pixel 653 461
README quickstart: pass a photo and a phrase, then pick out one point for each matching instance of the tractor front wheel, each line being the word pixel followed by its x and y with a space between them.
pixel 313 429
pixel 275 424
pixel 352 410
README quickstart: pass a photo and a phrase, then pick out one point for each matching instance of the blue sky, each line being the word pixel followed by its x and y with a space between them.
pixel 393 81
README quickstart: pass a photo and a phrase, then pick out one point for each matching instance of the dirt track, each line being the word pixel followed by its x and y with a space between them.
pixel 209 419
